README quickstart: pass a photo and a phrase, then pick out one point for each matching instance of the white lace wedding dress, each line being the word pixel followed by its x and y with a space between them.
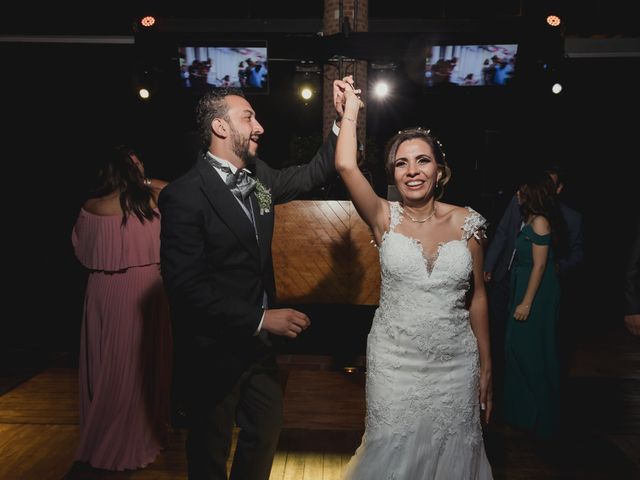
pixel 423 412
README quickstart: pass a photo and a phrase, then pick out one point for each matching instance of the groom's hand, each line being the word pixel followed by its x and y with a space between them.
pixel 285 321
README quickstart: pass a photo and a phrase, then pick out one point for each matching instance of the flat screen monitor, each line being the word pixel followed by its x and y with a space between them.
pixel 205 67
pixel 470 65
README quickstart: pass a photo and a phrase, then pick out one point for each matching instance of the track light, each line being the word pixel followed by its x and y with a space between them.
pixel 148 21
pixel 306 93
pixel 553 20
pixel 381 89
pixel 307 79
pixel 382 78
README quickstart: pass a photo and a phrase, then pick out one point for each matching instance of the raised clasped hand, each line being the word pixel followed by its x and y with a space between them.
pixel 340 88
pixel 353 94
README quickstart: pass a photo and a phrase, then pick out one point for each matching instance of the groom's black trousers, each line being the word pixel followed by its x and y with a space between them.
pixel 255 406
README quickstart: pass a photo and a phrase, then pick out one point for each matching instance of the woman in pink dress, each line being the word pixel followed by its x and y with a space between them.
pixel 125 345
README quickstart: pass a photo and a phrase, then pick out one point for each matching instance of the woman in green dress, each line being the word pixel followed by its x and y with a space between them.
pixel 532 376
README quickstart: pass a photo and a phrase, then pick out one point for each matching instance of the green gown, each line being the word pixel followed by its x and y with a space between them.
pixel 532 374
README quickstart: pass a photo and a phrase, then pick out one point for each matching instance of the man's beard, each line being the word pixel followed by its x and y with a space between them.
pixel 240 146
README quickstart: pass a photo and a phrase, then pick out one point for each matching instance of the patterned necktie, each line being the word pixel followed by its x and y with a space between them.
pixel 240 183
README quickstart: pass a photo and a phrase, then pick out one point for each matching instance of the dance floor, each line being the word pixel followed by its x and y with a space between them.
pixel 324 412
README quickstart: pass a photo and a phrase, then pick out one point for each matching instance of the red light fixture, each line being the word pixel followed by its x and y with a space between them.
pixel 148 21
pixel 553 20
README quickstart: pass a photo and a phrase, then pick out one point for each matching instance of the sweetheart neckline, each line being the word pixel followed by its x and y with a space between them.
pixel 420 246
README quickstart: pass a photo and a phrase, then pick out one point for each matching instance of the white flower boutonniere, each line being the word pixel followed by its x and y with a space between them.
pixel 264 198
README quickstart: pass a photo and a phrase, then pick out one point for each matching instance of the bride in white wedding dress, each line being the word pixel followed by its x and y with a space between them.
pixel 428 361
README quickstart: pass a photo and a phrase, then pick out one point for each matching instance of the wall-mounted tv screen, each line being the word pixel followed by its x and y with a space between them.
pixel 470 65
pixel 204 67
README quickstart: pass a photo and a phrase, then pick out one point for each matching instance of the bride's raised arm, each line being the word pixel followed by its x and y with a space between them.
pixel 370 207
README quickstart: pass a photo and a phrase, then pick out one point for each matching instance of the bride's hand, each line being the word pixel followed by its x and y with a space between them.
pixel 339 87
pixel 486 394
pixel 352 101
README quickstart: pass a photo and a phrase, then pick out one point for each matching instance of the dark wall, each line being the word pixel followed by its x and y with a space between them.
pixel 63 102
pixel 597 125
pixel 60 103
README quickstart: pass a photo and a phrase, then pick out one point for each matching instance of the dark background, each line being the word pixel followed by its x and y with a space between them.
pixel 63 102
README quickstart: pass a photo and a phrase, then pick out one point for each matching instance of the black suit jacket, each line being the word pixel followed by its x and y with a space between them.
pixel 500 251
pixel 498 256
pixel 214 269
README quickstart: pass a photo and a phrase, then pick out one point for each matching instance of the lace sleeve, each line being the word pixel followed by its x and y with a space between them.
pixel 474 225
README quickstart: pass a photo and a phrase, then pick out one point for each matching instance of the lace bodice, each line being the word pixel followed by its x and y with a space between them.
pixel 410 281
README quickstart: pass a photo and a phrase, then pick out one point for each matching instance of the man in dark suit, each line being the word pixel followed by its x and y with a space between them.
pixel 497 265
pixel 217 227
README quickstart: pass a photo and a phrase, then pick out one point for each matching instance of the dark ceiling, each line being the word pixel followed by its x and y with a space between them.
pixel 609 18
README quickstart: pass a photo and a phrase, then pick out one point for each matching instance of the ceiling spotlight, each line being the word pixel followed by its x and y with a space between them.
pixel 556 88
pixel 553 20
pixel 381 89
pixel 381 78
pixel 306 93
pixel 307 79
pixel 144 94
pixel 148 21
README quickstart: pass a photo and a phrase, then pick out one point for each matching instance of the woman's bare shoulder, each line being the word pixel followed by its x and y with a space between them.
pixel 455 213
pixel 540 225
pixel 107 205
pixel 157 184
pixel 156 188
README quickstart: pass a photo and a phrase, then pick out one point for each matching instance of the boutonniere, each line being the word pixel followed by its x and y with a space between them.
pixel 264 197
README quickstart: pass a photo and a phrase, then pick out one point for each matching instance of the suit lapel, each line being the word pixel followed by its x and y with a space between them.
pixel 263 226
pixel 227 207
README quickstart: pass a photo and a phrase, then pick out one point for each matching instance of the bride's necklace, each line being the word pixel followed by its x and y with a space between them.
pixel 420 220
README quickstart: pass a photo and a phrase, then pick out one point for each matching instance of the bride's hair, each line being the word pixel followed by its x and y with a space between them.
pixel 423 134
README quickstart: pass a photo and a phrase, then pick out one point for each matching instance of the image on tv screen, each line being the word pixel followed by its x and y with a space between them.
pixel 213 67
pixel 470 65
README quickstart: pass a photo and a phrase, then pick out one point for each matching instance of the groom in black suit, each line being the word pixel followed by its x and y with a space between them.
pixel 217 227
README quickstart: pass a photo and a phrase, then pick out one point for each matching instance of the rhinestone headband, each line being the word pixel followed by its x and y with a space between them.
pixel 428 132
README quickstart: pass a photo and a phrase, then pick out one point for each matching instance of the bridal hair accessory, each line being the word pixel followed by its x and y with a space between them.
pixel 426 131
pixel 419 129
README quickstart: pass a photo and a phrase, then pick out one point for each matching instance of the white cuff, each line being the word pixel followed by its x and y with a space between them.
pixel 259 325
pixel 335 129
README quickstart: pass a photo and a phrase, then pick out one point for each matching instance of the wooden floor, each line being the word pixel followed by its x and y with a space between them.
pixel 324 411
